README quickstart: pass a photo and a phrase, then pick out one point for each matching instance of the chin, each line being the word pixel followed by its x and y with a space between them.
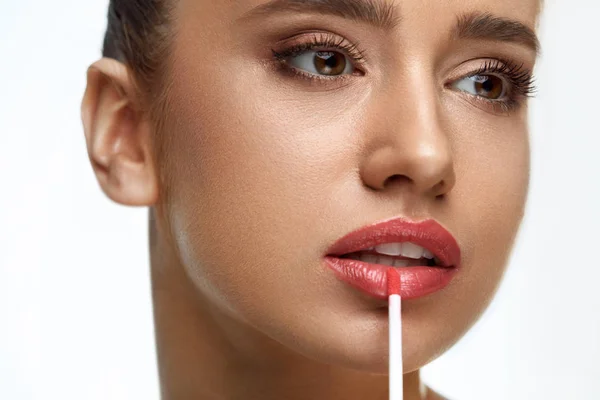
pixel 360 344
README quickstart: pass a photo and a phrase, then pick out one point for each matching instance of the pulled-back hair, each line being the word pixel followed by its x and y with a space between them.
pixel 137 35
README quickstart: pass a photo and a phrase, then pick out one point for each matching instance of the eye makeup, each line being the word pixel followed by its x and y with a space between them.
pixel 508 82
pixel 517 84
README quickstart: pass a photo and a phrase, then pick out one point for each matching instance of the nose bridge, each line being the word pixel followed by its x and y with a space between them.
pixel 409 143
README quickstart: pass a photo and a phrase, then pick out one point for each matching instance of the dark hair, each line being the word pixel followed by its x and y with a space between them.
pixel 136 35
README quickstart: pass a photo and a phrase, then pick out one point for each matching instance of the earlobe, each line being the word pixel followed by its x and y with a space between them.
pixel 117 135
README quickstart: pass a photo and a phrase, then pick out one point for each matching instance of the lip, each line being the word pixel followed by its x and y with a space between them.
pixel 416 281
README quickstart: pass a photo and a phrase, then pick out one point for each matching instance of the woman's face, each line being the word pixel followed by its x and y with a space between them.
pixel 274 150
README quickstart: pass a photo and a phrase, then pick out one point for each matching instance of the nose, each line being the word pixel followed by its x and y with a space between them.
pixel 408 144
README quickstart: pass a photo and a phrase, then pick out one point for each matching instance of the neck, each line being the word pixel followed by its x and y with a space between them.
pixel 204 353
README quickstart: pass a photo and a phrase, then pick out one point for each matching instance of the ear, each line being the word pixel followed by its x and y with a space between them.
pixel 118 136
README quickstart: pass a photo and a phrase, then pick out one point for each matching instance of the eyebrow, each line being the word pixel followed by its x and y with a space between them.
pixel 485 26
pixel 373 12
pixel 382 14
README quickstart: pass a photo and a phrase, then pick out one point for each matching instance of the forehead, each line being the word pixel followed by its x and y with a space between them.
pixel 422 26
pixel 525 11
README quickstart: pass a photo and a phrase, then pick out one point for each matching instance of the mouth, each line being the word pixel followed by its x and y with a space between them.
pixel 425 254
pixel 396 254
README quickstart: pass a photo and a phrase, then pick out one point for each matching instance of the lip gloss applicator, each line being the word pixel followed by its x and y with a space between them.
pixel 395 339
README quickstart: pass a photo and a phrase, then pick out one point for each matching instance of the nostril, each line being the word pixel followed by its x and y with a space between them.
pixel 396 179
pixel 440 189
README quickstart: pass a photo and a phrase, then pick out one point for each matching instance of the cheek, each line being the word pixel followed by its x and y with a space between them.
pixel 252 183
pixel 492 167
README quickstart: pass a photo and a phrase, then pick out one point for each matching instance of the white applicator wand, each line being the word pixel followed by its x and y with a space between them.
pixel 395 322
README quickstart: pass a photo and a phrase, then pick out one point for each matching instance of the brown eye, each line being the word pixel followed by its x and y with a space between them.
pixel 491 87
pixel 329 63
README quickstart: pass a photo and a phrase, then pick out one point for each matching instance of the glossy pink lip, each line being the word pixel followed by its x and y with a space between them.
pixel 416 281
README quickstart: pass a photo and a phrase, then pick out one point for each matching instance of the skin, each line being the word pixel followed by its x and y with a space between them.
pixel 253 173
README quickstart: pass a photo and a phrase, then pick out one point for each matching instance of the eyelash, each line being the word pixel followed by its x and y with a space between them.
pixel 519 79
pixel 322 41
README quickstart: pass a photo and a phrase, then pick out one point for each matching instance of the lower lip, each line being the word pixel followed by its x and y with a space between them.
pixel 372 278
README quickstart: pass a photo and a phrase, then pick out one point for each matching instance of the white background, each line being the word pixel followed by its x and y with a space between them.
pixel 75 311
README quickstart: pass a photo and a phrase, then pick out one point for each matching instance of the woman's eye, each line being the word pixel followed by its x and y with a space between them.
pixel 329 63
pixel 491 87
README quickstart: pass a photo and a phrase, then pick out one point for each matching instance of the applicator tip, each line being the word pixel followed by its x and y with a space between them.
pixel 393 281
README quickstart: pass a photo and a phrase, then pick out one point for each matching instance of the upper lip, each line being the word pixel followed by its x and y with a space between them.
pixel 428 234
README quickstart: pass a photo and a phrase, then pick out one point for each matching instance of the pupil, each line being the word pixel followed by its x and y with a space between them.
pixel 329 63
pixel 490 86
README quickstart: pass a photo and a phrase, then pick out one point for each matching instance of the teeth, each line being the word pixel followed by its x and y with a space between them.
pixel 386 253
pixel 427 254
pixel 401 263
pixel 411 250
pixel 370 258
pixel 390 249
pixel 406 249
pixel 385 260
